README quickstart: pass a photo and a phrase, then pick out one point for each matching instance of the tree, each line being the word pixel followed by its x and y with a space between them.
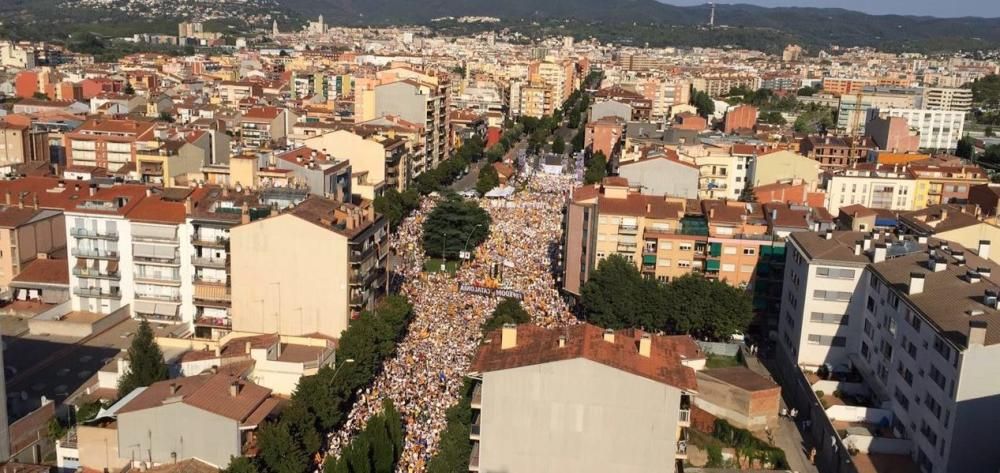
pixel 986 91
pixel 616 296
pixel 596 168
pixel 989 132
pixel 396 205
pixel 558 145
pixel 508 311
pixel 145 360
pixel 814 119
pixel 488 179
pixel 454 448
pixel 578 140
pixel 166 117
pixel 128 90
pixel 279 452
pixel 240 465
pixel 377 448
pixel 706 308
pixel 965 148
pixel 807 91
pixel 453 223
pixel 704 103
pixel 40 96
pixel 772 118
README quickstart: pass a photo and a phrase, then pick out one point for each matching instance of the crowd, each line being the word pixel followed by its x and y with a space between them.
pixel 425 376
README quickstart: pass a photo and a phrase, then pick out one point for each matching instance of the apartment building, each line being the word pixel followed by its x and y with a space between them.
pixel 369 159
pixel 110 144
pixel 640 107
pixel 607 375
pixel 945 184
pixel 559 76
pixel 19 143
pixel 948 99
pixel 324 175
pixel 174 158
pixel 845 86
pixel 893 134
pixel 914 316
pixel 718 84
pixel 938 129
pixel 742 117
pixel 27 233
pixel 604 135
pixel 853 110
pixel 265 127
pixel 835 151
pixel 531 99
pixel 331 266
pixel 424 103
pixel 723 175
pixel 876 186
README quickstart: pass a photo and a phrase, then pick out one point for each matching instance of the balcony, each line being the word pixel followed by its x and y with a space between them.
pixel 161 279
pixel 209 242
pixel 628 229
pixel 156 238
pixel 684 417
pixel 171 298
pixel 95 254
pixel 477 396
pixel 627 247
pixel 474 458
pixel 219 263
pixel 475 427
pixel 214 322
pixel 682 444
pixel 163 260
pixel 358 256
pixel 94 274
pixel 96 292
pixel 212 292
pixel 92 234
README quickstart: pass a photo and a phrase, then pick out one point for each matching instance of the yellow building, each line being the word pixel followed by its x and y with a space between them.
pixel 944 184
pixel 782 166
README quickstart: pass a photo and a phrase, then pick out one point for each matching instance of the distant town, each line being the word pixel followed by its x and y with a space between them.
pixel 305 247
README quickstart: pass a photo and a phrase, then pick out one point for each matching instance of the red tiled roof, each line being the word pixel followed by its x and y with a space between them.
pixel 45 271
pixel 263 113
pixel 209 392
pixel 536 345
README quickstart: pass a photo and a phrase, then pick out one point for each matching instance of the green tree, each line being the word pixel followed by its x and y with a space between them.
pixel 616 296
pixel 488 179
pixel 508 311
pixel 706 308
pixel 772 118
pixel 453 223
pixel 965 148
pixel 279 452
pixel 145 361
pixel 986 91
pixel 454 447
pixel 128 90
pixel 596 168
pixel 558 145
pixel 240 465
pixel 704 103
pixel 989 132
pixel 40 96
pixel 166 117
pixel 578 140
pixel 807 91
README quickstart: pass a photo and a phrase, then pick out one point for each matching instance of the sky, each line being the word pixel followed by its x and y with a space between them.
pixel 939 8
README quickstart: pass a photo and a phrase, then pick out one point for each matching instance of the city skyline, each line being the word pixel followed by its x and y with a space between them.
pixel 965 8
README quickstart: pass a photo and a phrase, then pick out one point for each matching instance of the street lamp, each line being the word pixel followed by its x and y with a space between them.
pixel 337 370
pixel 465 249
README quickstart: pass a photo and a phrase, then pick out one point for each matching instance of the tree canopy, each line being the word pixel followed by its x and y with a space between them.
pixel 145 360
pixel 617 296
pixel 451 224
pixel 703 102
pixel 508 311
pixel 375 449
pixel 596 168
pixel 558 145
pixel 455 448
pixel 488 179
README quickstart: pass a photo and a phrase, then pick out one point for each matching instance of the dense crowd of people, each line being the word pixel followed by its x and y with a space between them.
pixel 425 377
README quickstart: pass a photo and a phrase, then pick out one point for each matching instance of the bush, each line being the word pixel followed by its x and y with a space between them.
pixel 715 457
pixel 752 448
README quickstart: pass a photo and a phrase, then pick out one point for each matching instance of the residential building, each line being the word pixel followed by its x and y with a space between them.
pixel 871 185
pixel 265 127
pixel 938 129
pixel 893 134
pixel 784 166
pixel 662 174
pixel 841 86
pixel 640 107
pixel 531 99
pixel 423 102
pixel 110 144
pixel 211 417
pixel 724 175
pixel 742 117
pixel 27 233
pixel 945 184
pixel 853 110
pixel 834 151
pixel 369 159
pixel 605 136
pixel 949 99
pixel 335 269
pixel 719 83
pixel 324 175
pixel 608 374
pixel 20 144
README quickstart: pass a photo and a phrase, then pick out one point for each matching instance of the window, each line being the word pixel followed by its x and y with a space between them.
pixel 746 268
pixel 913 319
pixel 937 377
pixel 729 267
pixel 835 273
pixel 902 399
pixel 826 340
pixel 825 318
pixel 685 247
pixel 864 349
pixel 749 251
pixel 932 405
pixel 838 296
pixel 666 245
pixel 683 264
pixel 942 348
pixel 729 250
pixel 870 304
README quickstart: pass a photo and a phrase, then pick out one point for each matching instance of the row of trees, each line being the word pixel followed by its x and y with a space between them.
pixel 320 402
pixel 596 168
pixel 617 296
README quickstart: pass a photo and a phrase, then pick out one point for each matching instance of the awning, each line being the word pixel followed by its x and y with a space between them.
pixel 81 263
pixel 112 267
pixel 648 259
pixel 143 307
pixel 715 249
pixel 169 310
pixel 712 265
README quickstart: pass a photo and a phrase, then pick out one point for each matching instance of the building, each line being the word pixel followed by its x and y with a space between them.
pixel 369 159
pixel 945 184
pixel 324 175
pixel 21 144
pixel 792 53
pixel 335 269
pixel 784 166
pixel 915 317
pixel 423 102
pixel 604 135
pixel 719 83
pixel 110 144
pixel 853 109
pixel 613 377
pixel 742 117
pixel 835 151
pixel 211 417
pixel 873 186
pixel 841 86
pixel 938 129
pixel 893 134
pixel 531 99
pixel 265 127
pixel 948 99
pixel 27 233
pixel 663 174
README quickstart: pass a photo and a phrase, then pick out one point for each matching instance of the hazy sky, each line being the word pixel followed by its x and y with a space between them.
pixel 952 8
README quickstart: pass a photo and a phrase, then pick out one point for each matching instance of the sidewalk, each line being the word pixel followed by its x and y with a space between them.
pixel 788 438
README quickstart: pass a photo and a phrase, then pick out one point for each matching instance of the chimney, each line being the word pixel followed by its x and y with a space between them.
pixel 645 345
pixel 973 277
pixel 609 335
pixel 188 205
pixel 984 249
pixel 562 341
pixel 867 243
pixel 93 190
pixel 857 247
pixel 149 192
pixel 922 239
pixel 508 336
pixel 711 212
pixel 247 347
pixel 174 388
pixel 20 201
pixel 245 213
pixel 990 298
pixel 880 251
pixel 940 264
pixel 959 257
pixel 6 197
pixel 984 271
pixel 916 283
pixel 977 333
pixel 34 201
pixel 828 235
pixel 234 389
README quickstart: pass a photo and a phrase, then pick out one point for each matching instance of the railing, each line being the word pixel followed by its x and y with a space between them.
pixel 97 254
pixel 684 416
pixel 628 229
pixel 682 447
pixel 477 396
pixel 88 273
pixel 97 292
pixel 158 278
pixel 360 255
pixel 159 297
pixel 627 246
pixel 155 238
pixel 86 233
pixel 216 322
pixel 211 262
pixel 217 242
pixel 474 457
